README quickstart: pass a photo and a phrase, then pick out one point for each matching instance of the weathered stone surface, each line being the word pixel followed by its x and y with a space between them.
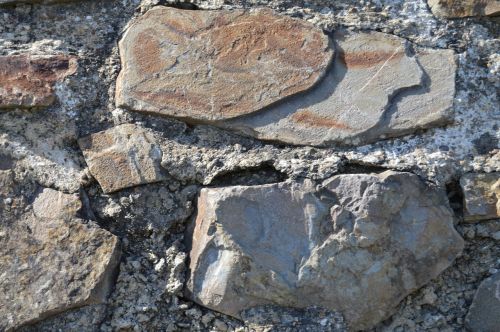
pixel 484 312
pixel 54 204
pixel 27 81
pixel 121 157
pixel 359 245
pixel 464 8
pixel 215 65
pixel 51 265
pixel 374 90
pixel 481 195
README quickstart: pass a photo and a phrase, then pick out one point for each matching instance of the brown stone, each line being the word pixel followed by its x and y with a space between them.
pixel 53 204
pixel 464 8
pixel 481 196
pixel 48 266
pixel 215 65
pixel 27 81
pixel 123 156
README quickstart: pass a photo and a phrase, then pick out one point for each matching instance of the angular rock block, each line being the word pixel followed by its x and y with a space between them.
pixel 357 245
pixel 27 81
pixel 268 76
pixel 484 312
pixel 123 156
pixel 464 8
pixel 50 265
pixel 54 204
pixel 215 65
pixel 481 196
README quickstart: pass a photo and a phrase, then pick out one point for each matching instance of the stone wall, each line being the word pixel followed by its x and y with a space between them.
pixel 249 165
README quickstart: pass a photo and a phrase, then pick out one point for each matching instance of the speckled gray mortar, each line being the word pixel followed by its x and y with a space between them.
pixel 40 147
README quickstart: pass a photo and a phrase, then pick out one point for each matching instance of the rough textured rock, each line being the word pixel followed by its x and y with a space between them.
pixel 359 245
pixel 215 65
pixel 484 312
pixel 27 81
pixel 481 196
pixel 464 8
pixel 54 204
pixel 374 89
pixel 121 157
pixel 51 265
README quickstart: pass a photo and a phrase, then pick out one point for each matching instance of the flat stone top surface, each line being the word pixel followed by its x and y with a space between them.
pixel 215 65
pixel 27 81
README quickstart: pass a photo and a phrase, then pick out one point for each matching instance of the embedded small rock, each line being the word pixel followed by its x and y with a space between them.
pixel 122 157
pixel 54 204
pixel 484 312
pixel 216 65
pixel 464 8
pixel 52 265
pixel 481 196
pixel 358 245
pixel 27 81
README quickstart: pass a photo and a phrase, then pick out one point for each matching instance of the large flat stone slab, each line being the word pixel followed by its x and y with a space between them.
pixel 215 65
pixel 123 156
pixel 484 312
pixel 374 90
pixel 464 8
pixel 51 265
pixel 481 196
pixel 217 70
pixel 358 245
pixel 27 81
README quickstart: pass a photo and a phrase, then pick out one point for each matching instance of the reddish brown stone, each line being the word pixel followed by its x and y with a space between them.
pixel 28 81
pixel 215 65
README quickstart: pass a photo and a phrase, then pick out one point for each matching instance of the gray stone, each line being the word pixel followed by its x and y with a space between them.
pixel 481 196
pixel 484 312
pixel 358 245
pixel 54 204
pixel 51 265
pixel 123 156
pixel 374 90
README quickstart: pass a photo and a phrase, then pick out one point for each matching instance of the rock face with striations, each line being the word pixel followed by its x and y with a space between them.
pixel 216 65
pixel 464 8
pixel 358 245
pixel 27 81
pixel 52 265
pixel 243 70
pixel 123 156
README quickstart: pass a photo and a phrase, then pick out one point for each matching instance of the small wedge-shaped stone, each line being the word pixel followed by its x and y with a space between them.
pixel 215 65
pixel 51 265
pixel 464 8
pixel 359 245
pixel 123 156
pixel 484 312
pixel 27 81
pixel 375 89
pixel 481 196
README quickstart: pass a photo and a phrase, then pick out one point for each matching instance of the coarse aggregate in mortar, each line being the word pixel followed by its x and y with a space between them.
pixel 150 219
